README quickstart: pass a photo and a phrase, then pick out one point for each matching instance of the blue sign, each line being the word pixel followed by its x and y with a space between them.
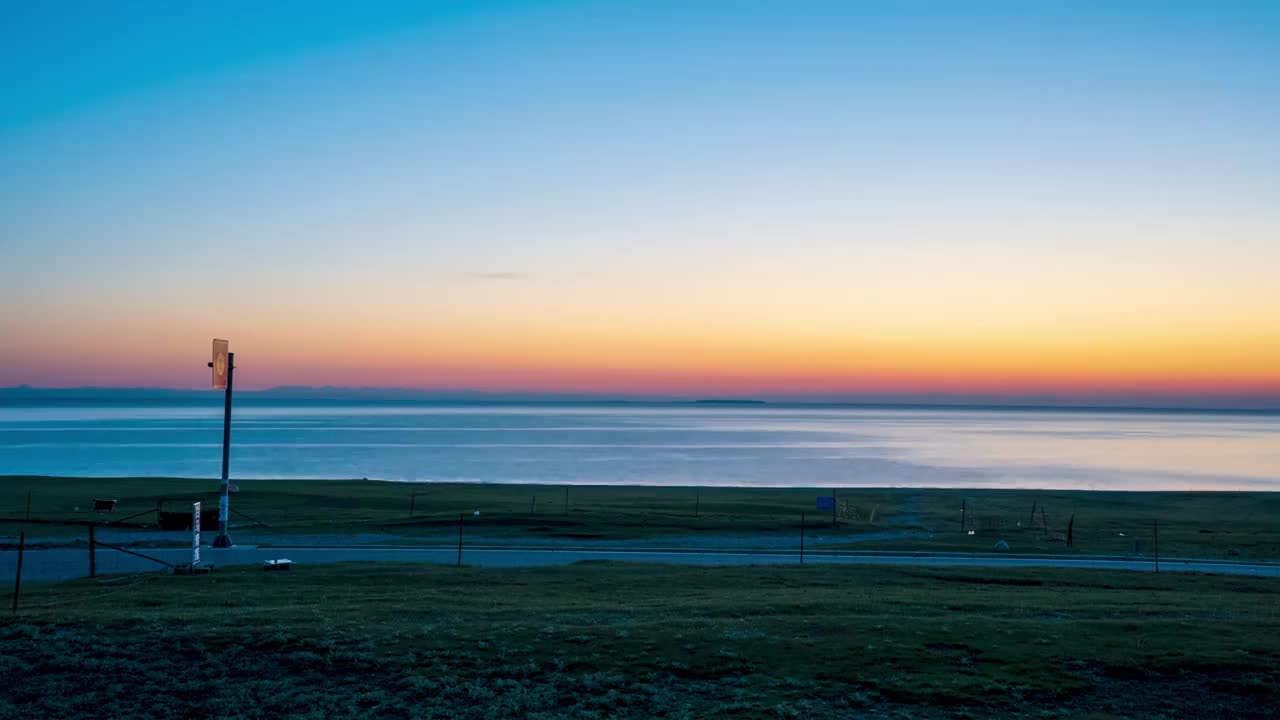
pixel 826 504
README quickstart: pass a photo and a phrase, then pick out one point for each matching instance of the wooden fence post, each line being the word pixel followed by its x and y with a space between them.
pixel 17 578
pixel 801 538
pixel 1155 542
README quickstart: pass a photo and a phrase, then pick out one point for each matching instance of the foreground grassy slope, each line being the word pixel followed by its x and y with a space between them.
pixel 1214 525
pixel 613 640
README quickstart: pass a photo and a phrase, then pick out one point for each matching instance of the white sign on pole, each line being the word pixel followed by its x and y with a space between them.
pixel 195 534
pixel 220 364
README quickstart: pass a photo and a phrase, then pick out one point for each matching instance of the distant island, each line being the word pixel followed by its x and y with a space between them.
pixel 26 395
pixel 728 401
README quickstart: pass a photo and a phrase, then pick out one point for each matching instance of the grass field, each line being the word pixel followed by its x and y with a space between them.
pixel 1191 524
pixel 601 640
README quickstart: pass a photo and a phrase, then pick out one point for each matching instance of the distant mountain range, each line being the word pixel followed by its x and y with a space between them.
pixel 27 395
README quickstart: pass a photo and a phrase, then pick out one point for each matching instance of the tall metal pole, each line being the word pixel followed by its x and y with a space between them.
pixel 224 502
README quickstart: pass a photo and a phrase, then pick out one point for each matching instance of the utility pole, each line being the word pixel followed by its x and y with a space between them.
pixel 220 366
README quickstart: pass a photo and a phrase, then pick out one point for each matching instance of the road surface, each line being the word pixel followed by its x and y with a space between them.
pixel 67 563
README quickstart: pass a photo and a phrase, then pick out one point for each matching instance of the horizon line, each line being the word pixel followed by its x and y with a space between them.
pixel 1048 400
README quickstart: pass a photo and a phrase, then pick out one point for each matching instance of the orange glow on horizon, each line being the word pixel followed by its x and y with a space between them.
pixel 675 365
pixel 736 332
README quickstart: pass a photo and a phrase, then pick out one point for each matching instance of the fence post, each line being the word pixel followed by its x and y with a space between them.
pixel 93 560
pixel 1031 522
pixel 566 499
pixel 28 503
pixel 413 500
pixel 460 517
pixel 964 506
pixel 801 538
pixel 1155 542
pixel 697 504
pixel 17 578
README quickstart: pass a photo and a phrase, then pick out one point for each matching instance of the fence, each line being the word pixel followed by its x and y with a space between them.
pixel 740 520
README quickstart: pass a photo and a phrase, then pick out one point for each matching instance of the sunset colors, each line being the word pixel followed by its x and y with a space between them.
pixel 785 199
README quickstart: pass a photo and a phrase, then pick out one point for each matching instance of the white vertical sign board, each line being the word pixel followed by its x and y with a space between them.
pixel 195 534
pixel 220 364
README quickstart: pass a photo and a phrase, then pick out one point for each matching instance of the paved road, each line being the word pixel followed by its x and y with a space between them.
pixel 64 564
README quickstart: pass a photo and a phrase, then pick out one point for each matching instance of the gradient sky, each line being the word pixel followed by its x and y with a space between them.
pixel 800 197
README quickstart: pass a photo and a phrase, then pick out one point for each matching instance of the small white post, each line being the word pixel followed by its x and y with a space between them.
pixel 195 534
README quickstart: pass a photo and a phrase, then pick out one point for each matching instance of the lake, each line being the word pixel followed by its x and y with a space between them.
pixel 657 444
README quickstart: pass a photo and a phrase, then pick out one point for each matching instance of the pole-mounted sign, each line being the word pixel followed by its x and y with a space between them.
pixel 220 365
pixel 224 367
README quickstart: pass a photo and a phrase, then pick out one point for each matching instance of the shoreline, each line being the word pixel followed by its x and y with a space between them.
pixel 649 486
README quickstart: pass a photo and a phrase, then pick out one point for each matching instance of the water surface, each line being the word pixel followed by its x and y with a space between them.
pixel 664 445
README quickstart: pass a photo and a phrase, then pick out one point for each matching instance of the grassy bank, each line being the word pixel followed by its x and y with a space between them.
pixel 615 640
pixel 1191 524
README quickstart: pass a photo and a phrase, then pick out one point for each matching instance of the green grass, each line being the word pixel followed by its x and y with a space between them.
pixel 619 640
pixel 347 506
pixel 1192 524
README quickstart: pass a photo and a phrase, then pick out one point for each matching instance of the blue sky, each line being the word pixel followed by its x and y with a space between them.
pixel 306 155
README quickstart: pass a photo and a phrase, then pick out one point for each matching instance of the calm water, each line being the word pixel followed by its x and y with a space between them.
pixel 665 445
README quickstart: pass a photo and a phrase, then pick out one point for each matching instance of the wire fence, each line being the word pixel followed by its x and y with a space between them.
pixel 839 522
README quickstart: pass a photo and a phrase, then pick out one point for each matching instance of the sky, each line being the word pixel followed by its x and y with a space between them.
pixel 708 198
